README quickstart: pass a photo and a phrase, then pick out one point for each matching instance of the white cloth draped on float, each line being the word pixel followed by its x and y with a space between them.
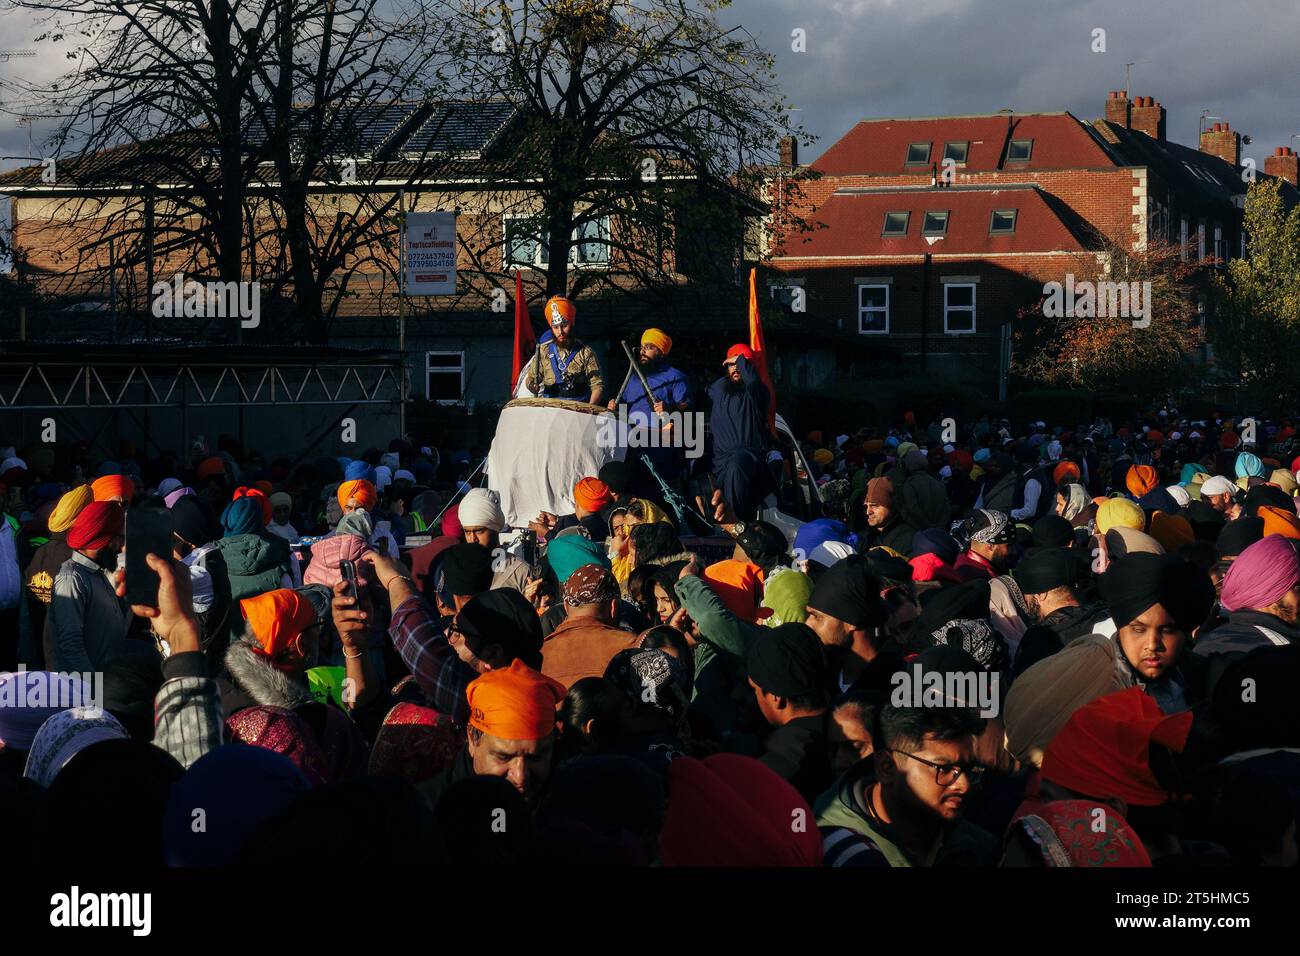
pixel 541 449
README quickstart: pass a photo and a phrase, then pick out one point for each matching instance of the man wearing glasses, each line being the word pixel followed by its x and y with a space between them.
pixel 562 366
pixel 908 798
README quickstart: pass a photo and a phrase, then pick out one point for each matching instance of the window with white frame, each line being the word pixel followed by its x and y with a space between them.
pixel 1200 241
pixel 958 308
pixel 1220 247
pixel 1182 239
pixel 444 377
pixel 873 308
pixel 525 242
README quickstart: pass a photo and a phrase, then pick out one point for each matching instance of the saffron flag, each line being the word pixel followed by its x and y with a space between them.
pixel 525 340
pixel 760 350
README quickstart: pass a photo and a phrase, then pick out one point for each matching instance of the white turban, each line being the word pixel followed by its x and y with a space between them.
pixel 829 552
pixel 1180 495
pixel 481 508
pixel 1218 485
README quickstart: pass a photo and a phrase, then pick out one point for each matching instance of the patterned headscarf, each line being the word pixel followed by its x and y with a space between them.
pixel 590 584
pixel 653 677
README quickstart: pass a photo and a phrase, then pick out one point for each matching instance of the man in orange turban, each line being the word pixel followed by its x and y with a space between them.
pixel 1279 521
pixel 511 731
pixel 1066 472
pixel 357 495
pixel 590 496
pixel 113 488
pixel 283 623
pixel 1141 479
pixel 563 366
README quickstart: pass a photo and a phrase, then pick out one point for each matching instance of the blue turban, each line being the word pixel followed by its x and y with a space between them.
pixel 242 516
pixel 570 552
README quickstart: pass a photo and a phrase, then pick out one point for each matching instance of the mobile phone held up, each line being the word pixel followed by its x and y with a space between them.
pixel 348 569
pixel 148 531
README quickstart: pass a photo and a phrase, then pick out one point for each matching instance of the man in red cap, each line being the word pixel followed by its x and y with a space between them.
pixel 738 423
pixel 88 622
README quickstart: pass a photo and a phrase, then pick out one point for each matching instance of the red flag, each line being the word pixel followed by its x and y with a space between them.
pixel 760 349
pixel 525 340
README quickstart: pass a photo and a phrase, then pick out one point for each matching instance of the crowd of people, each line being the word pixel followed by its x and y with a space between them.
pixel 1028 645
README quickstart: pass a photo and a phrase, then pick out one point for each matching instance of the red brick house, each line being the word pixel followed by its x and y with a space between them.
pixel 930 233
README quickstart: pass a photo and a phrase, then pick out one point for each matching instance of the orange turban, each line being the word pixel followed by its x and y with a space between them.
pixel 514 703
pixel 1172 531
pixel 1141 479
pixel 592 494
pixel 1066 469
pixel 739 585
pixel 263 502
pixel 113 486
pixel 360 489
pixel 277 617
pixel 558 307
pixel 1279 521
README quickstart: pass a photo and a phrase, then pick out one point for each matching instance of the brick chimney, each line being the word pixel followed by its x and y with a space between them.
pixel 1222 141
pixel 1148 116
pixel 789 151
pixel 1117 108
pixel 1285 164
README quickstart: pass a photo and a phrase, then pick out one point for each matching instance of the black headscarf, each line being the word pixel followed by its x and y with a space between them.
pixel 847 590
pixel 504 616
pixel 467 568
pixel 1136 582
pixel 1239 535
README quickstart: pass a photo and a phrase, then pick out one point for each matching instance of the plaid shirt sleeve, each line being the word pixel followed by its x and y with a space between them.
pixel 187 709
pixel 418 637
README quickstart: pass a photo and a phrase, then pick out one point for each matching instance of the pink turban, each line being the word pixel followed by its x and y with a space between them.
pixel 1261 574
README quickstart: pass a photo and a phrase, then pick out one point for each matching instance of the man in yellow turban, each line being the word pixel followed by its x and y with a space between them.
pixel 669 392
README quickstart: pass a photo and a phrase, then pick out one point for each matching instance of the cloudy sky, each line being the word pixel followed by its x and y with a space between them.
pixel 871 58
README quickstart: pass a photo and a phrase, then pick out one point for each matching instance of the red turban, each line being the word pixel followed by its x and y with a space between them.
pixel 1141 479
pixel 731 810
pixel 113 486
pixel 744 350
pixel 210 467
pixel 277 617
pixel 96 525
pixel 514 703
pixel 592 494
pixel 451 526
pixel 1104 748
pixel 264 502
pixel 360 489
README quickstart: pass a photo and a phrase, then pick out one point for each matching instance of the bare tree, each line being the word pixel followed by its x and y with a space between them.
pixel 644 135
pixel 228 122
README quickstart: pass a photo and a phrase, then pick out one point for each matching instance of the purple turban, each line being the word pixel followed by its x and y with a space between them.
pixel 1261 574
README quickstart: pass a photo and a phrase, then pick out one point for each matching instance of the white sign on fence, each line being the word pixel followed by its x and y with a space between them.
pixel 430 253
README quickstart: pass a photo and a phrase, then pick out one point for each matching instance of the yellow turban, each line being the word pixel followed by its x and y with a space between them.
pixel 823 456
pixel 69 506
pixel 1119 513
pixel 658 338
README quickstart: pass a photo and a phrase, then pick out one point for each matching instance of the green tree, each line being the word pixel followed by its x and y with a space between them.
pixel 1255 325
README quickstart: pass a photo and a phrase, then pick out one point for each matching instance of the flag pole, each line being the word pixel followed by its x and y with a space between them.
pixel 401 317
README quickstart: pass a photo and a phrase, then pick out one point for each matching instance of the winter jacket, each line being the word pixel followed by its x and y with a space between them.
pixel 843 805
pixel 255 564
pixel 1246 630
pixel 583 647
pixel 88 623
pixel 187 709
